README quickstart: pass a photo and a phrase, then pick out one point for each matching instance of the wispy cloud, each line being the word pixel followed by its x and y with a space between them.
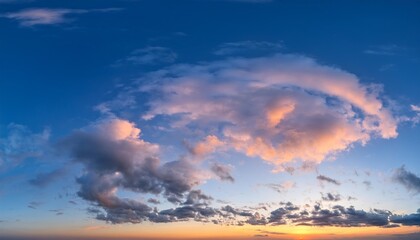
pixel 281 187
pixel 44 179
pixel 20 144
pixel 149 56
pixel 34 204
pixel 385 50
pixel 242 47
pixel 47 16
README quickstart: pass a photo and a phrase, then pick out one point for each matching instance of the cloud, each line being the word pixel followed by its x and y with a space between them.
pixel 282 108
pixel 149 56
pixel 223 172
pixel 331 197
pixel 407 220
pixel 340 216
pixel 282 187
pixel 385 50
pixel 34 204
pixel 409 180
pixel 210 144
pixel 327 179
pixel 115 157
pixel 20 144
pixel 416 110
pixel 368 184
pixel 44 179
pixel 231 48
pixel 46 16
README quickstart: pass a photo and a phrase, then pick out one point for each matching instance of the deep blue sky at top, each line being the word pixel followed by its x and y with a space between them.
pixel 54 75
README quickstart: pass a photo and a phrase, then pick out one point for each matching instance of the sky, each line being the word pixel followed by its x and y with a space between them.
pixel 209 119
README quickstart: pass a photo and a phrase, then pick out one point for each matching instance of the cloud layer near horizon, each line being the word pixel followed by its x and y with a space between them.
pixel 281 108
pixel 116 159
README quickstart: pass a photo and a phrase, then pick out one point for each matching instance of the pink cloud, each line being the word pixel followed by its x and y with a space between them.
pixel 281 108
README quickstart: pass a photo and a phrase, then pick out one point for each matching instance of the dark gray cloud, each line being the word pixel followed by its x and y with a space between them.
pixel 115 158
pixel 327 179
pixel 340 216
pixel 153 201
pixel 407 220
pixel 222 171
pixel 408 179
pixel 331 197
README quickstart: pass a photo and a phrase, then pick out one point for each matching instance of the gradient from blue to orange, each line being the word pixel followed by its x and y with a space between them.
pixel 77 66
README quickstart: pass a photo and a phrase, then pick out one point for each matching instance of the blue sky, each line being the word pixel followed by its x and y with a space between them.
pixel 109 109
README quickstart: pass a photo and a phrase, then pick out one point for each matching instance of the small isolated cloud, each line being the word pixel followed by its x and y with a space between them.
pixel 282 187
pixel 149 56
pixel 34 204
pixel 282 108
pixel 44 179
pixel 327 179
pixel 331 197
pixel 231 48
pixel 223 172
pixel 385 50
pixel 408 179
pixel 368 184
pixel 47 16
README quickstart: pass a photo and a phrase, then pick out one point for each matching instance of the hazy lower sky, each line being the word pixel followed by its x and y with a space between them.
pixel 209 119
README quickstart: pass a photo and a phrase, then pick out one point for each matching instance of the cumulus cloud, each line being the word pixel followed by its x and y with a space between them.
pixel 115 157
pixel 46 16
pixel 331 197
pixel 340 216
pixel 282 108
pixel 208 145
pixel 407 220
pixel 408 179
pixel 20 143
